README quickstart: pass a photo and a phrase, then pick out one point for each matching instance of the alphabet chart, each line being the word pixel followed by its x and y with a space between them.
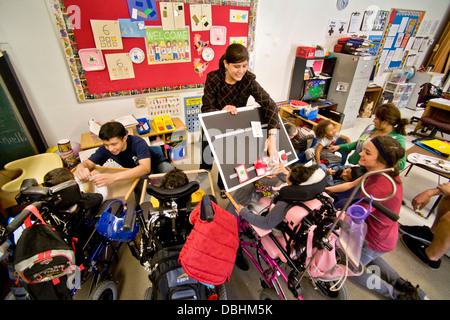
pixel 158 106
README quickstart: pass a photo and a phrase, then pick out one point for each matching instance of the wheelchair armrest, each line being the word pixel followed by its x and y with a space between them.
pixel 30 182
pixel 166 195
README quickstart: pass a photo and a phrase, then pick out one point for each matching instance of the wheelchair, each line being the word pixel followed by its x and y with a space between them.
pixel 164 226
pixel 95 249
pixel 314 242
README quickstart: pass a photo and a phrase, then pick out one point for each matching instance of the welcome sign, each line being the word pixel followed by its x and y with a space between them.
pixel 167 46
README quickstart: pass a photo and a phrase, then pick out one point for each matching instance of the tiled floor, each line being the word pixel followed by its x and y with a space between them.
pixel 132 278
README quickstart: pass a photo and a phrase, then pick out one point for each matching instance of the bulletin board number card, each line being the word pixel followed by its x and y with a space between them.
pixel 148 46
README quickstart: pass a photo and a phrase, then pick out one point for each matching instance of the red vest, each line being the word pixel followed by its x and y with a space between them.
pixel 210 250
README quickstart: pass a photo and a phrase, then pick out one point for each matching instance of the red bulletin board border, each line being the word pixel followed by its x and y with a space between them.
pixel 91 85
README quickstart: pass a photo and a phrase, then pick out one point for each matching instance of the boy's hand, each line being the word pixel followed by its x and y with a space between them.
pixel 82 173
pixel 103 179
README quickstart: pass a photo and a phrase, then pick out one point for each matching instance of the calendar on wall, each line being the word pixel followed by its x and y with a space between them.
pixel 192 107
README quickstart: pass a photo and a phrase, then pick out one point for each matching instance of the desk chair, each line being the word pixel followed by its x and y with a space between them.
pixel 435 124
pixel 32 167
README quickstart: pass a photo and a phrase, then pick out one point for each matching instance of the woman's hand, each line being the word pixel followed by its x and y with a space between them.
pixel 271 144
pixel 231 109
pixel 334 148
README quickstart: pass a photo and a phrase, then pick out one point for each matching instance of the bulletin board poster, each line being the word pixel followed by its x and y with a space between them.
pixel 400 31
pixel 182 30
pixel 167 46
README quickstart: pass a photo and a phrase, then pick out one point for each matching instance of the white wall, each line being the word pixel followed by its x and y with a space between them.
pixel 281 28
pixel 28 34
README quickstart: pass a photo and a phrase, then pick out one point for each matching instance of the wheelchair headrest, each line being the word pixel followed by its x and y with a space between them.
pixel 301 192
pixel 62 195
pixel 167 195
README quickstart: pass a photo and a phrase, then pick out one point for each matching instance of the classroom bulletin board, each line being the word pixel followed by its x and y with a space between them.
pixel 120 48
pixel 398 39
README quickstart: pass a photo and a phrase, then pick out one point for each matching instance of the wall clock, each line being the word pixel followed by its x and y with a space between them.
pixel 341 4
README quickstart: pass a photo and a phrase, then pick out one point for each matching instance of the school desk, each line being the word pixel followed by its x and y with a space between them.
pixel 88 141
pixel 420 150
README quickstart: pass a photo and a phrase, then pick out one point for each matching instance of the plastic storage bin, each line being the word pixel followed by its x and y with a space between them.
pixel 306 52
pixel 143 126
pixel 312 115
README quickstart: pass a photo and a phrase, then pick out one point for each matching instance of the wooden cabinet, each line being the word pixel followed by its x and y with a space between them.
pixel 349 83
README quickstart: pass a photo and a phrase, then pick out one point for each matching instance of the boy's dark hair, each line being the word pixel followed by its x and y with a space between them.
pixel 57 176
pixel 112 129
pixel 320 128
pixel 174 178
pixel 235 53
pixel 290 128
pixel 357 172
pixel 300 173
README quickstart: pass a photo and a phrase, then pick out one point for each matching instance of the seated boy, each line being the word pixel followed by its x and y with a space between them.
pixel 88 201
pixel 174 178
pixel 311 177
pixel 127 150
pixel 299 137
pixel 339 173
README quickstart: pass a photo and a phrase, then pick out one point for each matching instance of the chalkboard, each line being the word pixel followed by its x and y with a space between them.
pixel 19 134
pixel 233 143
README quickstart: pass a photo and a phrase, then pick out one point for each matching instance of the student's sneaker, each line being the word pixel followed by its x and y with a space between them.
pixel 418 248
pixel 421 233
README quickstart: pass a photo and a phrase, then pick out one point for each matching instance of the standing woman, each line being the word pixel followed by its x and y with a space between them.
pixel 380 153
pixel 388 121
pixel 229 88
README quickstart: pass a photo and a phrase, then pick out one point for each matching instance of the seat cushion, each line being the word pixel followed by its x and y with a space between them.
pixel 440 125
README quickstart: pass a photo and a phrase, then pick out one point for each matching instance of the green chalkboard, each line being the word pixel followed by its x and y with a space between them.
pixel 14 143
pixel 20 135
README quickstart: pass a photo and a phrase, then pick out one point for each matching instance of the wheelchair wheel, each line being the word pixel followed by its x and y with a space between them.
pixel 268 294
pixel 324 287
pixel 221 292
pixel 148 293
pixel 106 290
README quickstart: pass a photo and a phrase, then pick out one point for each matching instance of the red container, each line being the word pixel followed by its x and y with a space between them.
pixel 306 52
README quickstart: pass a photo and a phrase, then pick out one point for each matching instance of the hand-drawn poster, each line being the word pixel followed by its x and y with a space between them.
pixel 167 46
